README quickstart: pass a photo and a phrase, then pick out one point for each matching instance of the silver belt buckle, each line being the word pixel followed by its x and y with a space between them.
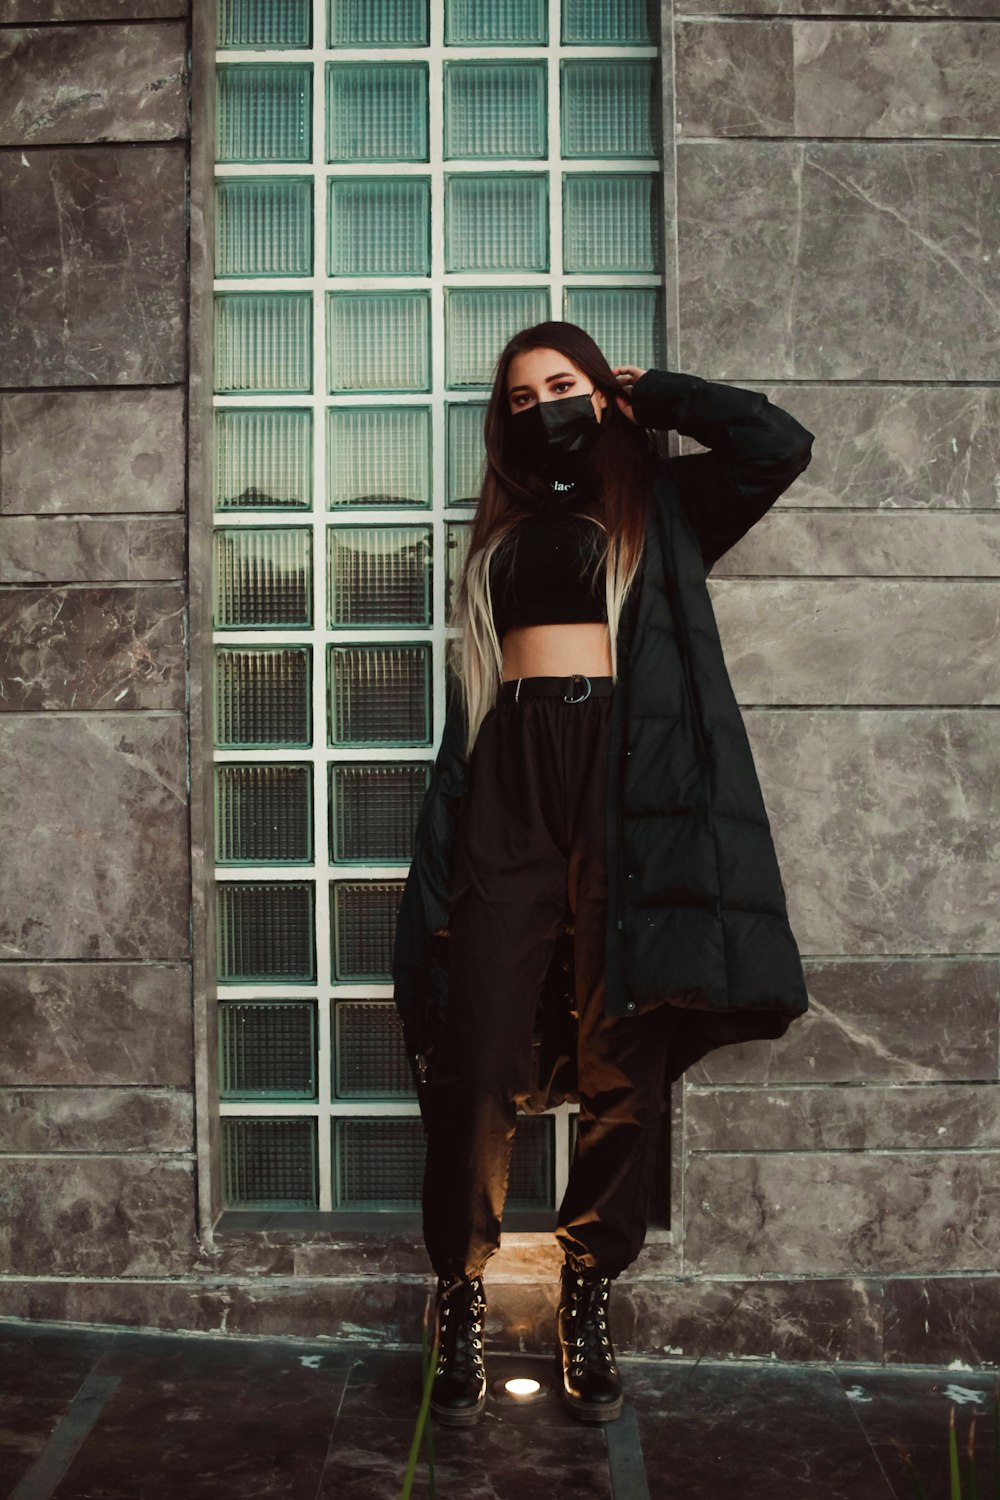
pixel 579 677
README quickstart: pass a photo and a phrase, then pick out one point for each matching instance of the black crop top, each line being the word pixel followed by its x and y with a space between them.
pixel 541 573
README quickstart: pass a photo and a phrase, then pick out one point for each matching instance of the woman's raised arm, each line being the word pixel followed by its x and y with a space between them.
pixel 756 449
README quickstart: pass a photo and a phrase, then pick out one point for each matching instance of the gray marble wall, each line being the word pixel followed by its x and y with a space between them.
pixel 832 196
pixel 837 187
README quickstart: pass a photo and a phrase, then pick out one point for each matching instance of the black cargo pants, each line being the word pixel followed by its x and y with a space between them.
pixel 530 852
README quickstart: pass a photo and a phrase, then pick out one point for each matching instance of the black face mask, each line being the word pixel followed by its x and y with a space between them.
pixel 551 431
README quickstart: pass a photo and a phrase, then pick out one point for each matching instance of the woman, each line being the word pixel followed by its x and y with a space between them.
pixel 593 808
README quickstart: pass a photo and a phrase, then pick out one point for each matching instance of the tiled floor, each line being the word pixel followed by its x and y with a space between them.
pixel 121 1416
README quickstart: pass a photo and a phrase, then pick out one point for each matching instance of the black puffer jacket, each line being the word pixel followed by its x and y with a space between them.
pixel 696 913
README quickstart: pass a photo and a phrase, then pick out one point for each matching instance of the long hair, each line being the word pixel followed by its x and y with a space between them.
pixel 620 466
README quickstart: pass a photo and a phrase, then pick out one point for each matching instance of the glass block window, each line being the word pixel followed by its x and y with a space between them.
pixel 263 226
pixel 267 1049
pixel 263 458
pixel 379 227
pixel 495 109
pixel 373 807
pixel 496 222
pixel 400 186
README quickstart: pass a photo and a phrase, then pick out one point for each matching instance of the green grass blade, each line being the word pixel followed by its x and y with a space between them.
pixel 956 1478
pixel 428 1361
pixel 910 1468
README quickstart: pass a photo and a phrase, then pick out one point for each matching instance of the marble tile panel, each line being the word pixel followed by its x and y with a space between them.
pixel 805 641
pixel 809 1319
pixel 27 12
pixel 903 544
pixel 838 78
pixel 97 1215
pixel 206 1418
pixel 734 80
pixel 945 9
pixel 91 452
pixel 829 1212
pixel 943 1320
pixel 79 84
pixel 108 1120
pixel 909 1411
pixel 90 549
pixel 881 822
pixel 91 648
pixel 755 1432
pixel 853 1032
pixel 877 78
pixel 90 1025
pixel 41 1370
pixel 505 1457
pixel 92 266
pixel 829 260
pixel 895 447
pixel 96 807
pixel 855 1118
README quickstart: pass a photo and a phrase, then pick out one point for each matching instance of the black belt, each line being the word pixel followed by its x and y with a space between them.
pixel 574 689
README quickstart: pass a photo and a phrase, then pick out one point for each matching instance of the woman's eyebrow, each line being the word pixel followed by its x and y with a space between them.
pixel 563 375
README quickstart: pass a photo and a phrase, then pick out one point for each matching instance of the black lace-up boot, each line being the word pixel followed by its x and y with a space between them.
pixel 585 1358
pixel 458 1393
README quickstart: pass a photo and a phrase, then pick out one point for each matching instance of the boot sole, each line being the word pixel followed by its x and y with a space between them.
pixel 467 1417
pixel 593 1411
pixel 587 1411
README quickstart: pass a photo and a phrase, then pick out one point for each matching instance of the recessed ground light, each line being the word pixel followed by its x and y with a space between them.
pixel 520 1390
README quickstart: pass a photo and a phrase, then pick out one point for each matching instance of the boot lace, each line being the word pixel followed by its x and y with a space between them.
pixel 461 1328
pixel 588 1310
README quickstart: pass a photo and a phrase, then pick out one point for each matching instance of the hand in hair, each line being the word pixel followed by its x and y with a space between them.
pixel 628 375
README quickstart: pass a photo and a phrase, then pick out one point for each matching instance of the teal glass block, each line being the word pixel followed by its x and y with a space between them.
pixel 610 23
pixel 466 451
pixel 378 23
pixel 261 697
pixel 611 222
pixel 378 576
pixel 484 23
pixel 495 109
pixel 269 1164
pixel 362 930
pixel 267 1049
pixel 263 459
pixel 379 695
pixel 379 226
pixel 378 1164
pixel 378 341
pixel 627 322
pixel 263 814
pixel 264 112
pixel 265 932
pixel 478 323
pixel 496 223
pixel 377 111
pixel 263 342
pixel 610 108
pixel 369 1052
pixel 263 226
pixel 457 539
pixel 378 456
pixel 264 24
pixel 262 579
pixel 374 809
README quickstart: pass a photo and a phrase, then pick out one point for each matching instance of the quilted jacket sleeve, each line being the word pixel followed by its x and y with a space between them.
pixel 424 905
pixel 756 450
